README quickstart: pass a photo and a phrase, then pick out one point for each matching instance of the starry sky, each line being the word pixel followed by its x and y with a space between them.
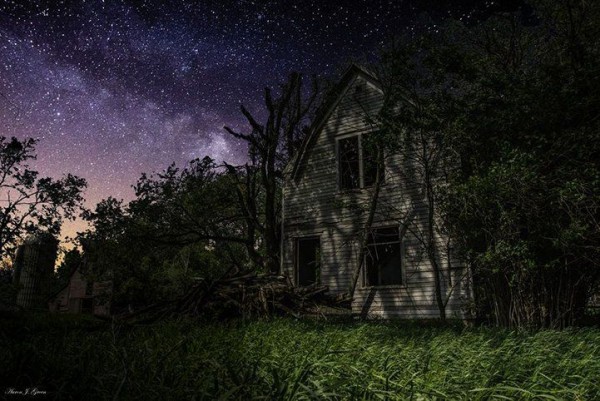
pixel 114 88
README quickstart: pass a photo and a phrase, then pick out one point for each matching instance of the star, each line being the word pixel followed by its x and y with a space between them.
pixel 115 89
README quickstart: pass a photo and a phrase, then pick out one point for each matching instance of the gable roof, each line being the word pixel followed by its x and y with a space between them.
pixel 326 109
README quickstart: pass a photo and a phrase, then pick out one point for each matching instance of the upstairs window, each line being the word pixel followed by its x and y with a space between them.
pixel 383 259
pixel 349 162
pixel 357 163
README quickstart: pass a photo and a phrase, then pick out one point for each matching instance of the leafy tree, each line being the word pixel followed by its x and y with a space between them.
pixel 512 103
pixel 72 260
pixel 29 202
pixel 530 183
pixel 8 290
pixel 185 206
pixel 109 219
pixel 182 225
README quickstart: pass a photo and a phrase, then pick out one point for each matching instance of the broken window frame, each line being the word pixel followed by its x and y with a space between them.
pixel 362 167
pixel 374 242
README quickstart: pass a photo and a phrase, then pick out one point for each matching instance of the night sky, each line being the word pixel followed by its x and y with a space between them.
pixel 115 88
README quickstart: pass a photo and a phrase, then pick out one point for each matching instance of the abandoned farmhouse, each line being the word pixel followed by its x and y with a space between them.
pixel 325 200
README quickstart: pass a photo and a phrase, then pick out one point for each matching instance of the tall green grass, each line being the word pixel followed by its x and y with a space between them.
pixel 295 360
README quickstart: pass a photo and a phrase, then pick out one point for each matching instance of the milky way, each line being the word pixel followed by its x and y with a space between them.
pixel 115 88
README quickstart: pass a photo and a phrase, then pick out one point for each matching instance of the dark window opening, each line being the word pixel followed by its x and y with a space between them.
pixel 383 261
pixel 87 305
pixel 349 163
pixel 357 156
pixel 308 263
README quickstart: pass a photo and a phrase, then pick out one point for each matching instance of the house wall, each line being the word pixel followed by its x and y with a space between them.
pixel 77 285
pixel 314 206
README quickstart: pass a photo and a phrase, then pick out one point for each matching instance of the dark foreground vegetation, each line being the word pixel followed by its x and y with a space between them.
pixel 83 359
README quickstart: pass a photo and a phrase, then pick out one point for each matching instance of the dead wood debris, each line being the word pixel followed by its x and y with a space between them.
pixel 248 295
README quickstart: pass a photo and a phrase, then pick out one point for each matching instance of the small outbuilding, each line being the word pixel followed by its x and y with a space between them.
pixel 80 295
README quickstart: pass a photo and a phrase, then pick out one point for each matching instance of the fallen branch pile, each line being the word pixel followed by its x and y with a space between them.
pixel 248 296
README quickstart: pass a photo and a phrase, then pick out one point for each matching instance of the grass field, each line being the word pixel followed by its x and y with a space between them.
pixel 83 359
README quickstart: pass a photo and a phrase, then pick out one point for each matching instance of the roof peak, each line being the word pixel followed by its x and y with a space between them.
pixel 329 104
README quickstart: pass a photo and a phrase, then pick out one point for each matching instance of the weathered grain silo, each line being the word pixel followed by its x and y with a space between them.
pixel 34 266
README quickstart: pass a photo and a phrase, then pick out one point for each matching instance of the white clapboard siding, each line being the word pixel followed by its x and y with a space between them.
pixel 314 206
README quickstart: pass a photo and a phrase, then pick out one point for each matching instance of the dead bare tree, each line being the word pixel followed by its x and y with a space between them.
pixel 270 146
